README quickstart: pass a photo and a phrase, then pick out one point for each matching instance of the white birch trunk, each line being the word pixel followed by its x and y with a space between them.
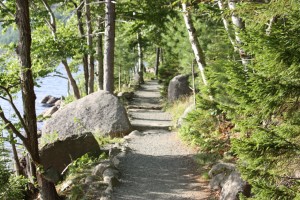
pixel 226 26
pixel 270 24
pixel 198 52
pixel 238 26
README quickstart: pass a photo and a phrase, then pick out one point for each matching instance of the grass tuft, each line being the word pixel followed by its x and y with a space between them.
pixel 178 107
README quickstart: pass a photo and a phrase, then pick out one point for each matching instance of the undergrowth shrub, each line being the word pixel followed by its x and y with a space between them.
pixel 204 130
pixel 78 170
pixel 12 187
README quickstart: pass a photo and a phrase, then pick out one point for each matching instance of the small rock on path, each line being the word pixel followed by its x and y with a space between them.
pixel 158 166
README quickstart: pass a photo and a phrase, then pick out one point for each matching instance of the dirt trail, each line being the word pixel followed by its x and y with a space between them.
pixel 158 166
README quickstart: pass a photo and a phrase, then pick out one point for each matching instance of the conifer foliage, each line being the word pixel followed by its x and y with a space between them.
pixel 248 86
pixel 260 99
pixel 268 106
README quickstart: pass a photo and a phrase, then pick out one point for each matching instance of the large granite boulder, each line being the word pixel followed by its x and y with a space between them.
pixel 56 156
pixel 138 78
pixel 226 179
pixel 233 186
pixel 49 112
pixel 178 87
pixel 181 119
pixel 100 113
pixel 49 100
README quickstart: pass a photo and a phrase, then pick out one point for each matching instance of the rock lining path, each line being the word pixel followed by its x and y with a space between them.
pixel 158 165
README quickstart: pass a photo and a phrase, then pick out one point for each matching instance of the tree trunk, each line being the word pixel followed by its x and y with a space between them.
pixel 99 53
pixel 27 88
pixel 140 56
pixel 71 79
pixel 238 27
pixel 85 55
pixel 64 61
pixel 30 169
pixel 109 46
pixel 161 55
pixel 270 24
pixel 157 61
pixel 90 46
pixel 198 52
pixel 226 25
pixel 119 82
pixel 193 79
pixel 48 192
pixel 18 167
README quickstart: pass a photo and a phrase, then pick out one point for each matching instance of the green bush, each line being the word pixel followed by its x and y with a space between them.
pixel 203 128
pixel 12 187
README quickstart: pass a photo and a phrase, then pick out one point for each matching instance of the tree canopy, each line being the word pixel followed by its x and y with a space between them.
pixel 248 81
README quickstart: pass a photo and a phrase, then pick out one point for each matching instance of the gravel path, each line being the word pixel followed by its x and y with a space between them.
pixel 158 166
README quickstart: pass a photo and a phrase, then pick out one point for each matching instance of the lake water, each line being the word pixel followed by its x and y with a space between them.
pixel 50 85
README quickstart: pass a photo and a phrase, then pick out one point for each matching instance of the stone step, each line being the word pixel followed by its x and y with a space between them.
pixel 146 107
pixel 144 126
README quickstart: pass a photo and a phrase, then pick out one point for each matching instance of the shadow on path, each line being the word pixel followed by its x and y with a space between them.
pixel 159 177
pixel 159 166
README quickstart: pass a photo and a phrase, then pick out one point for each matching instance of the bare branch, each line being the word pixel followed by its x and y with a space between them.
pixel 11 126
pixel 5 99
pixel 52 17
pixel 59 76
pixel 76 6
pixel 94 34
pixel 10 100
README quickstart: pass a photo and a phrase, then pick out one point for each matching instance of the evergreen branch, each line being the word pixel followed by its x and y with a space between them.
pixel 294 146
pixel 11 126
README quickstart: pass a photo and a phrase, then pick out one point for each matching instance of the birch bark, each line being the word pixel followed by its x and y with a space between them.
pixel 239 25
pixel 198 52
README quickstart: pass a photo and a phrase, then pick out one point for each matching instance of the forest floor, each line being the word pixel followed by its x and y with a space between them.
pixel 158 166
